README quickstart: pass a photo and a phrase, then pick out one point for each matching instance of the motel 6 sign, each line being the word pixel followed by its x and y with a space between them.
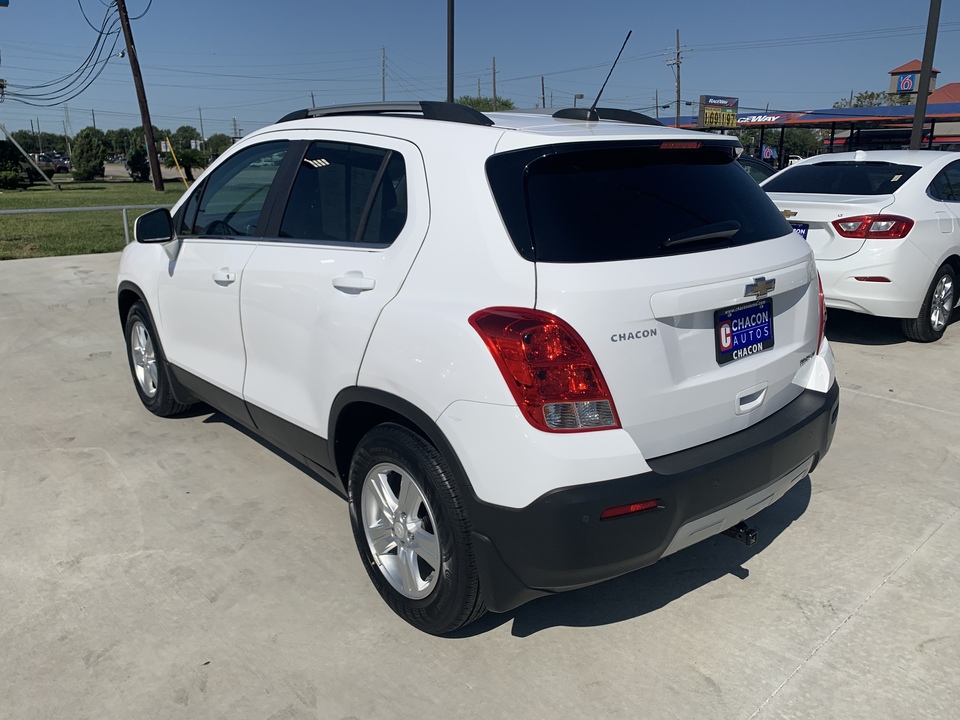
pixel 907 83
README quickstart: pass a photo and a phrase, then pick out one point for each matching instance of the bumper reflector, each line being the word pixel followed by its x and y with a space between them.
pixel 630 509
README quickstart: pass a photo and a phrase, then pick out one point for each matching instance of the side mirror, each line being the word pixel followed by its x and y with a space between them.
pixel 155 226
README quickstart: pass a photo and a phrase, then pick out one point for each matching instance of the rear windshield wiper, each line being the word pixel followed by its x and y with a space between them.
pixel 715 231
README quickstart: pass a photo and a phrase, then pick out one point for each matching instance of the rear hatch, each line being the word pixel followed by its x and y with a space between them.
pixel 696 299
pixel 814 195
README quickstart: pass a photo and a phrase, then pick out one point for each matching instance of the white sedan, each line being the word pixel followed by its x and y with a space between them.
pixel 885 228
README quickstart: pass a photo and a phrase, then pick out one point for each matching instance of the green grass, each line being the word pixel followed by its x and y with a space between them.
pixel 43 235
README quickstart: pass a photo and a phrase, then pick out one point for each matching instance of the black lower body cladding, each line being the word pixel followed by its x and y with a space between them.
pixel 558 542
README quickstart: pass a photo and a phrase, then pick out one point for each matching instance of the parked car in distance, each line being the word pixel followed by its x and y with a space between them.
pixel 885 228
pixel 758 169
pixel 537 351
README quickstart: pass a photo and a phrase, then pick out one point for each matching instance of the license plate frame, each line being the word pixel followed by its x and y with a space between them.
pixel 800 229
pixel 743 330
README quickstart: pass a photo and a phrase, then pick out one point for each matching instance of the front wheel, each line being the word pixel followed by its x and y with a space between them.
pixel 147 364
pixel 412 531
pixel 935 312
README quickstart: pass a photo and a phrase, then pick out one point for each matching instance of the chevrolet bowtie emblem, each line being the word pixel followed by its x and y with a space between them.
pixel 788 214
pixel 760 287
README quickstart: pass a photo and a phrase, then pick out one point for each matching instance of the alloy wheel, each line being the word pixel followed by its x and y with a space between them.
pixel 400 530
pixel 144 359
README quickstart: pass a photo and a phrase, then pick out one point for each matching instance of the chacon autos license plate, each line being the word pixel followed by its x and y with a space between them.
pixel 744 330
pixel 800 229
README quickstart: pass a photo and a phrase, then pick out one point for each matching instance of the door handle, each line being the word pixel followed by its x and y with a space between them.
pixel 224 276
pixel 354 283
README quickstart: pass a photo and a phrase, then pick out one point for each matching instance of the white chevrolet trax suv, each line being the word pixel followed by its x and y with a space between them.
pixel 537 351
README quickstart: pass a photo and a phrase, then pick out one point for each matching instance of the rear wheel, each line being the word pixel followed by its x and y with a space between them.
pixel 412 531
pixel 936 310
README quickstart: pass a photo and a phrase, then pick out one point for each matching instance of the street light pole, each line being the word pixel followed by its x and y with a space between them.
pixel 450 51
pixel 141 97
pixel 926 70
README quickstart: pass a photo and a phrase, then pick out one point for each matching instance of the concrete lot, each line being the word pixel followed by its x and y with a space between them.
pixel 180 569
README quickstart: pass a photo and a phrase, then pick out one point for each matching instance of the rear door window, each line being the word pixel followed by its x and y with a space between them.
pixel 946 185
pixel 624 202
pixel 346 193
pixel 842 178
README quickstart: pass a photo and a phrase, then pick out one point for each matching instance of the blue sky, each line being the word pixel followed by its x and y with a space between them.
pixel 255 61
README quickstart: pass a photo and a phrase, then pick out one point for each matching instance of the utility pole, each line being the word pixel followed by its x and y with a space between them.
pixel 494 84
pixel 93 114
pixel 543 93
pixel 203 138
pixel 450 51
pixel 383 75
pixel 313 102
pixel 656 102
pixel 926 68
pixel 141 96
pixel 478 88
pixel 676 63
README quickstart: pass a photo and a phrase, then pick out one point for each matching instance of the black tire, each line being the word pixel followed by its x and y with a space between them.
pixel 440 599
pixel 148 367
pixel 936 310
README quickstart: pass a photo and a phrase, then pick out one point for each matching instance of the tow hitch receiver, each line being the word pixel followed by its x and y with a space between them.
pixel 742 532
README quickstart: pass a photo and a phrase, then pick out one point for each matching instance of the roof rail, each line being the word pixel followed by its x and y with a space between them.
pixel 595 114
pixel 429 109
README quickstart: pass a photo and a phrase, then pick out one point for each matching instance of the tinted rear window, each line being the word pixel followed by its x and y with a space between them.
pixel 626 202
pixel 842 178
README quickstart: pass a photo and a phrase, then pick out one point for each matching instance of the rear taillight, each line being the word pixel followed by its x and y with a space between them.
pixel 549 369
pixel 823 314
pixel 874 227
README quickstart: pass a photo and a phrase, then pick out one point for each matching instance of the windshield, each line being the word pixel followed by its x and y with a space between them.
pixel 842 178
pixel 625 202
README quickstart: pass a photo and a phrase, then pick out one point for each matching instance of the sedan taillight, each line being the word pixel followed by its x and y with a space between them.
pixel 549 369
pixel 874 227
pixel 823 314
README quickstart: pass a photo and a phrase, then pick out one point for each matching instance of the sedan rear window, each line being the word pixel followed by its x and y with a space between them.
pixel 625 202
pixel 842 178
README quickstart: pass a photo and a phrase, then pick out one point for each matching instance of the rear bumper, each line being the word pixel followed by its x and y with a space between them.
pixel 907 268
pixel 559 543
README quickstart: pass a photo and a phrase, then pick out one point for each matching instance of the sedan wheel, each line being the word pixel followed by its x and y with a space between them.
pixel 942 303
pixel 938 304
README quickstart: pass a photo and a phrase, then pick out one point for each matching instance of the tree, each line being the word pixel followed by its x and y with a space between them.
pixel 138 165
pixel 182 138
pixel 188 159
pixel 218 143
pixel 872 99
pixel 40 142
pixel 119 142
pixel 88 154
pixel 485 104
pixel 9 166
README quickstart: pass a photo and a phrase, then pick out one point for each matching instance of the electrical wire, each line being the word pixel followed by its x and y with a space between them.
pixel 67 87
